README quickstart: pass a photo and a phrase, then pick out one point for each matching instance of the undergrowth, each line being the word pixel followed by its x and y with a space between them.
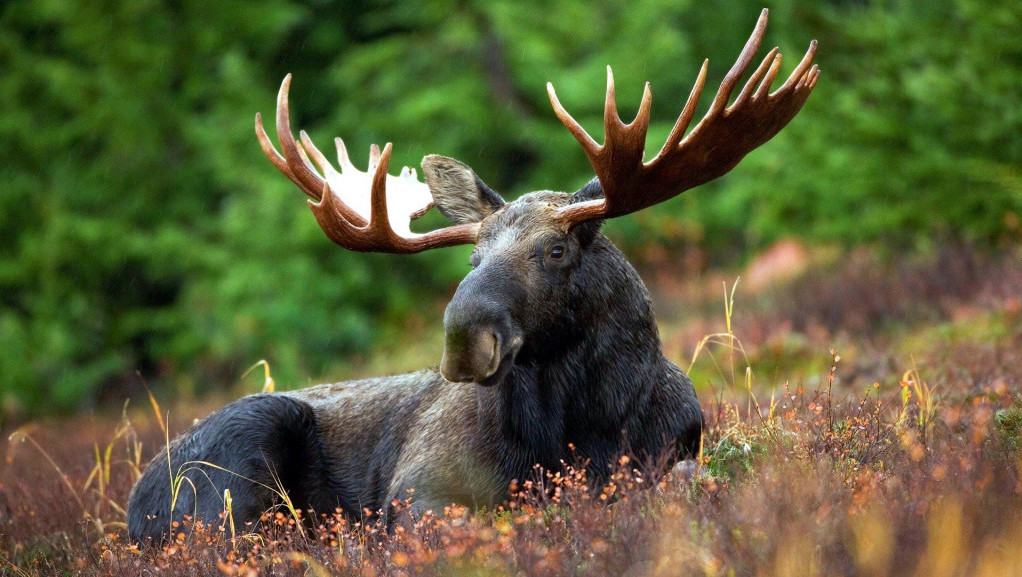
pixel 811 483
pixel 914 473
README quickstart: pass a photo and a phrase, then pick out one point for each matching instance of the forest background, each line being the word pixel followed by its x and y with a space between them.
pixel 145 238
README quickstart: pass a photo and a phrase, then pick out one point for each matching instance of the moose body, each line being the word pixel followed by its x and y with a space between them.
pixel 551 352
pixel 596 380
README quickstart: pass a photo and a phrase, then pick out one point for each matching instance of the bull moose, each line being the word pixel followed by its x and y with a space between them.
pixel 551 349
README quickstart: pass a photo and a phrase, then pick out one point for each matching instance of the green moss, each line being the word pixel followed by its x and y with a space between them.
pixel 1008 426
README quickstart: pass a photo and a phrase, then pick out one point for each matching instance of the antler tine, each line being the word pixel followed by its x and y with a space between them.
pixel 611 117
pixel 800 71
pixel 342 155
pixel 740 65
pixel 374 157
pixel 321 161
pixel 687 113
pixel 311 182
pixel 271 153
pixel 378 219
pixel 623 142
pixel 716 144
pixel 772 59
pixel 576 130
pixel 775 67
pixel 641 121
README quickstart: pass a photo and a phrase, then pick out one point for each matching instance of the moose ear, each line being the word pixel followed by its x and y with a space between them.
pixel 459 194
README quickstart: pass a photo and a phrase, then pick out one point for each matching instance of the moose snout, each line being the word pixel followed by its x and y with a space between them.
pixel 479 353
pixel 470 356
pixel 482 340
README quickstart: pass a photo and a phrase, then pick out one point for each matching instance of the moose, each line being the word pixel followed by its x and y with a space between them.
pixel 551 350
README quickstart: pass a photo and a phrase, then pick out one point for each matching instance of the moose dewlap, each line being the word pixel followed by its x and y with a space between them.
pixel 550 340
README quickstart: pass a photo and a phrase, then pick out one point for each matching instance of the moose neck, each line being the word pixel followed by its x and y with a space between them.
pixel 588 374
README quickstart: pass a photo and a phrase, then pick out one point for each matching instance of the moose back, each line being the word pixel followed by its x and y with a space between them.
pixel 551 349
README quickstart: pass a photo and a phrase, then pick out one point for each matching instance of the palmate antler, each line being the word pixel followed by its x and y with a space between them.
pixel 353 207
pixel 722 138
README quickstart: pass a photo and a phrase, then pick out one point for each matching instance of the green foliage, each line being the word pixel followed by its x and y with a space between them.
pixel 728 459
pixel 1008 425
pixel 142 230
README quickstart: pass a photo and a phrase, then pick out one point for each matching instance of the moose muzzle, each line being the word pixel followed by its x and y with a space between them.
pixel 470 358
pixel 481 339
pixel 479 354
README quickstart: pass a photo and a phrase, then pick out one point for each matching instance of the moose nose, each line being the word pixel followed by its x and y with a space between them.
pixel 470 356
pixel 482 340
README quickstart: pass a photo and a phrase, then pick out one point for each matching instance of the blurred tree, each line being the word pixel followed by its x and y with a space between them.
pixel 142 230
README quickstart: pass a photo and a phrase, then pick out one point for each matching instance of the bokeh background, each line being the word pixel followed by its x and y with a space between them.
pixel 144 237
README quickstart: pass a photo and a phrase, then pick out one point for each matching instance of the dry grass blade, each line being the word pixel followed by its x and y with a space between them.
pixel 269 385
pixel 155 405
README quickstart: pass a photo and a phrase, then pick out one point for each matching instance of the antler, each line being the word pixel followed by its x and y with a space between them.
pixel 352 207
pixel 722 138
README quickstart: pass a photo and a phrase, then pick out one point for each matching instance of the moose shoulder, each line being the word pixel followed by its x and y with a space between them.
pixel 551 349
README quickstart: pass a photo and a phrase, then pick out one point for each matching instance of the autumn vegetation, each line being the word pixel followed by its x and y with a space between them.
pixel 847 300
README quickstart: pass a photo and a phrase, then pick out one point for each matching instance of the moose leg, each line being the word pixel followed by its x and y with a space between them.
pixel 261 448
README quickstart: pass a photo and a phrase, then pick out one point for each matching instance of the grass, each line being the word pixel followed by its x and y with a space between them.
pixel 825 464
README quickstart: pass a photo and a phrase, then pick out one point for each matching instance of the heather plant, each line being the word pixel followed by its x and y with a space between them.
pixel 834 485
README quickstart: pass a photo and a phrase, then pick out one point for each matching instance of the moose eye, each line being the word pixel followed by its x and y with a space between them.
pixel 556 252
